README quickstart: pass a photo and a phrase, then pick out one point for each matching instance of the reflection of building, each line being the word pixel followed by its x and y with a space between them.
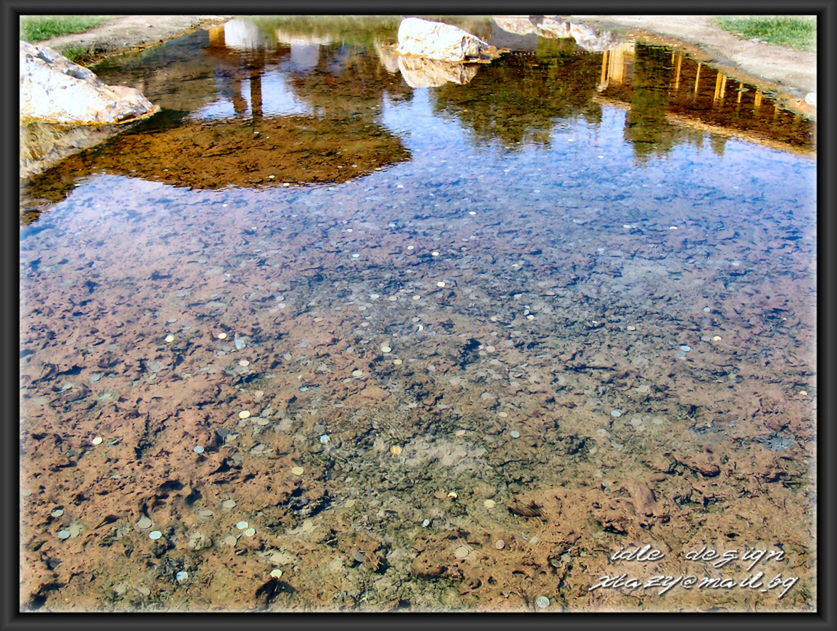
pixel 661 87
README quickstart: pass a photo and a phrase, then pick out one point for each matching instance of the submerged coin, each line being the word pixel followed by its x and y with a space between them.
pixel 397 362
pixel 276 572
pixel 181 576
pixel 514 434
pixel 97 440
pixel 63 534
pixel 242 525
pixel 244 414
pixel 396 450
pixel 542 602
pixel 243 362
pixel 461 552
pixel 324 439
pixel 144 522
pixel 154 535
pixel 499 544
pixel 57 512
pixel 297 470
pixel 386 349
pixel 198 449
pixel 250 532
pixel 489 504
pixel 222 336
pixel 685 348
pixel 170 338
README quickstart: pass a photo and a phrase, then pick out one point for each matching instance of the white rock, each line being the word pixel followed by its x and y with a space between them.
pixel 811 98
pixel 54 89
pixel 436 40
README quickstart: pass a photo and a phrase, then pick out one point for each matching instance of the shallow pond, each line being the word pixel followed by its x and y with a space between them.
pixel 340 330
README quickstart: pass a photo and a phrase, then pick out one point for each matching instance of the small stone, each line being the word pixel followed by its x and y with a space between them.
pixel 530 317
pixel 441 283
pixel 386 349
pixel 685 348
pixel 242 525
pixel 425 523
pixel 276 573
pixel 143 523
pixel 243 362
pixel 631 327
pixel 416 297
pixel 716 338
pixel 499 544
pixel 514 434
pixel 324 439
pixel 461 552
pixel 250 532
pixel 97 440
pixel 228 504
pixel 374 296
pixel 459 432
pixel 170 338
pixel 198 449
pixel 57 512
pixel 355 256
pixel 803 393
pixel 222 336
pixel 489 504
pixel 397 362
pixel 392 298
pixel 297 470
pixel 452 495
pixel 64 534
pixel 542 602
pixel 181 576
pixel 357 374
pixel 244 414
pixel 154 535
pixel 396 450
pixel 490 349
pixel 616 413
pixel 707 309
pixel 434 253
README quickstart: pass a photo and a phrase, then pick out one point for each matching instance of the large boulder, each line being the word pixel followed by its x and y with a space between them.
pixel 436 40
pixel 53 89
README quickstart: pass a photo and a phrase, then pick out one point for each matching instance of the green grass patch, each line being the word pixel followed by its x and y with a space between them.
pixel 795 31
pixel 36 28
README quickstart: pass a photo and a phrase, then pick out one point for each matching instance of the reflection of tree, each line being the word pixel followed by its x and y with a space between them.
pixel 517 101
pixel 348 80
pixel 646 126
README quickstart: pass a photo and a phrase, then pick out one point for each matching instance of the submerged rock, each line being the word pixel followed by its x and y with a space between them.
pixel 436 40
pixel 431 73
pixel 54 89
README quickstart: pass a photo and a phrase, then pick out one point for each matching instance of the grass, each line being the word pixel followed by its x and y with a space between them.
pixel 795 31
pixel 35 28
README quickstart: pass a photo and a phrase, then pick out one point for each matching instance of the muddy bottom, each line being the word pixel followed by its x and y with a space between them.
pixel 476 362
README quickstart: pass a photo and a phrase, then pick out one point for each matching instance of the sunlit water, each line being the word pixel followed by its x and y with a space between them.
pixel 468 300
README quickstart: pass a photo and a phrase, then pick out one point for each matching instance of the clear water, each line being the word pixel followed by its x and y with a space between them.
pixel 414 274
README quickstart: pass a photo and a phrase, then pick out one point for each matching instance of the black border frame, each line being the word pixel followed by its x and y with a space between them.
pixel 824 618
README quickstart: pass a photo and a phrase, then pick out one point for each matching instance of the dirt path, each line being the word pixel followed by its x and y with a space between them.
pixel 791 73
pixel 132 32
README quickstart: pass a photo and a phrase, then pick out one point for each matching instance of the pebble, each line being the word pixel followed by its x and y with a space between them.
pixel 181 576
pixel 434 253
pixel 170 338
pixel 97 440
pixel 198 449
pixel 499 544
pixel 542 602
pixel 707 309
pixel 276 573
pixel 396 450
pixel 144 523
pixel 324 439
pixel 616 413
pixel 411 247
pixel 243 362
pixel 297 470
pixel 222 336
pixel 461 552
pixel 374 296
pixel 355 256
pixel 63 534
pixel 228 504
pixel 515 434
pixel 57 512
pixel 717 338
pixel 453 495
pixel 154 535
pixel 803 393
pixel 386 349
pixel 490 349
pixel 357 373
pixel 489 504
pixel 397 362
pixel 685 348
pixel 530 317
pixel 441 283
pixel 416 297
pixel 244 414
pixel 631 327
pixel 392 298
pixel 425 523
pixel 242 525
pixel 250 532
